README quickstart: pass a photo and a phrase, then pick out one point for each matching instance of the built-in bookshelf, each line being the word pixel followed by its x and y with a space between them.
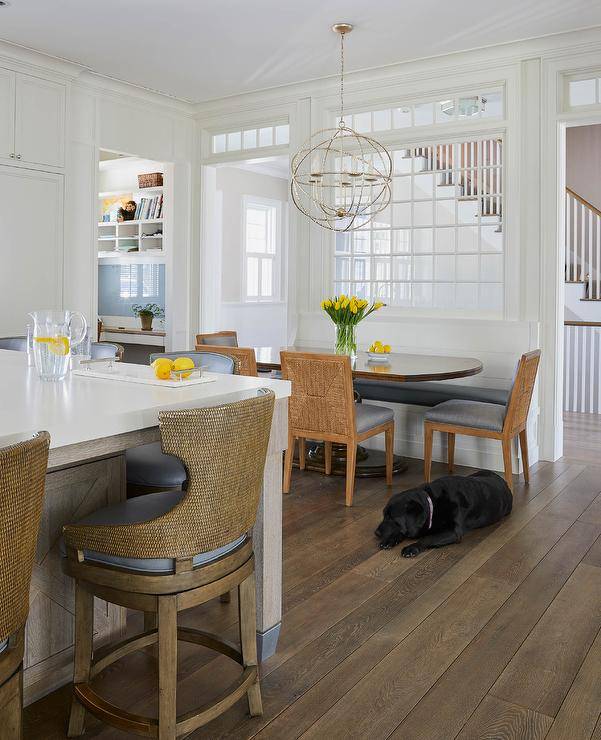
pixel 140 237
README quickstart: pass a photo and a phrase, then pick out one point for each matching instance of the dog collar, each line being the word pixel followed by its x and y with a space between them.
pixel 430 511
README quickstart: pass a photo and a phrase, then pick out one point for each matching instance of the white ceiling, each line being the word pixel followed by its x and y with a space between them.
pixel 204 49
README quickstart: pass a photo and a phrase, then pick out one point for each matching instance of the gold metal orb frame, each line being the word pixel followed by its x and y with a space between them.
pixel 341 179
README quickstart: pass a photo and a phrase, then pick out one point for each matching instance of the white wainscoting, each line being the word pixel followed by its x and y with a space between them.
pixel 582 369
pixel 498 344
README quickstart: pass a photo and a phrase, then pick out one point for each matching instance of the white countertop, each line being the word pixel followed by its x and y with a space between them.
pixel 79 409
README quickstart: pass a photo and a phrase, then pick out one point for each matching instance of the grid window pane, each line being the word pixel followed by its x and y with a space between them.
pixel 583 92
pixel 249 139
pixel 266 136
pixel 445 239
pixel 234 141
pixel 282 134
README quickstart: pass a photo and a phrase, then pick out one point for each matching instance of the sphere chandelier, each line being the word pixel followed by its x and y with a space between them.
pixel 341 179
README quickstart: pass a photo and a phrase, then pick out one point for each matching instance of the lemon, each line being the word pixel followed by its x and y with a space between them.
pixel 184 363
pixel 57 345
pixel 162 367
pixel 386 348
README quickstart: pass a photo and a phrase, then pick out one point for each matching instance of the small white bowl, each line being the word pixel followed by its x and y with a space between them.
pixel 379 357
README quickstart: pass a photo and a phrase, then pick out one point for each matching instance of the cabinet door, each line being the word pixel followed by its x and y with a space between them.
pixel 31 245
pixel 40 121
pixel 7 113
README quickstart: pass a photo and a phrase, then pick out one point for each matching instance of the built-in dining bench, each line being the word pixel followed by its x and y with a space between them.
pixel 426 393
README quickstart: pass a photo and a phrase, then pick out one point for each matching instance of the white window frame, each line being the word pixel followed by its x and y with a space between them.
pixel 252 201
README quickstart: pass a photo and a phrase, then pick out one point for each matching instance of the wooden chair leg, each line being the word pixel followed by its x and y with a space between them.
pixel 288 457
pixel 389 445
pixel 82 662
pixel 507 462
pixel 150 623
pixel 451 450
pixel 351 461
pixel 328 457
pixel 247 608
pixel 167 666
pixel 11 707
pixel 524 449
pixel 301 453
pixel 428 434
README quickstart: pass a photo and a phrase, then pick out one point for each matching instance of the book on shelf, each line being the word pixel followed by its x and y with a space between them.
pixel 149 208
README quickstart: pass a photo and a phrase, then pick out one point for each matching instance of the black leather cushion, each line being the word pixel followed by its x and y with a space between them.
pixel 427 394
pixel 368 416
pixel 148 466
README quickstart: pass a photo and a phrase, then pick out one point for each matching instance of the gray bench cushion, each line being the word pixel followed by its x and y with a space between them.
pixel 368 416
pixel 142 509
pixel 3 645
pixel 427 394
pixel 149 466
pixel 469 414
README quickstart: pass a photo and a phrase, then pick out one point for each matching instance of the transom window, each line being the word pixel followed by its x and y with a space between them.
pixel 262 249
pixel 584 92
pixel 480 105
pixel 250 138
pixel 440 242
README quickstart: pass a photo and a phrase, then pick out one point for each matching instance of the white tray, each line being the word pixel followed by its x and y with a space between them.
pixel 128 373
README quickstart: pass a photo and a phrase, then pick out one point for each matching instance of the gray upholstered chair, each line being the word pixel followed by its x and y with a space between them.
pixel 104 350
pixel 18 344
pixel 148 468
pixel 219 339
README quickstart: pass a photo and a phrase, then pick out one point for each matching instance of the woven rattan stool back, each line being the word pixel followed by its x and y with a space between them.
pixel 22 478
pixel 224 450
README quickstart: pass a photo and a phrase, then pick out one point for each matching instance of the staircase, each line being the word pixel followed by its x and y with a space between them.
pixel 583 246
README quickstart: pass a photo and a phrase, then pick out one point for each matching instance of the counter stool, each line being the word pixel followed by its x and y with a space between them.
pixel 148 469
pixel 163 553
pixel 22 477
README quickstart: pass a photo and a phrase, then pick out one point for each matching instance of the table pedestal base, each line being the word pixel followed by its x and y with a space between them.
pixel 370 463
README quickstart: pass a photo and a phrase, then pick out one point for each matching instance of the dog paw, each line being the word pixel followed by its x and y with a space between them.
pixel 410 551
pixel 385 545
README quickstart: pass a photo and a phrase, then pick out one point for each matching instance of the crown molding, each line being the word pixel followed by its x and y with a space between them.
pixel 23 59
pixel 480 59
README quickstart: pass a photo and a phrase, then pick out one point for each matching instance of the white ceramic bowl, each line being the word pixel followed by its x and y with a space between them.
pixel 381 357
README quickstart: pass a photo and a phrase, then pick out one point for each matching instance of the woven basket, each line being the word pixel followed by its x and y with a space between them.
pixel 150 180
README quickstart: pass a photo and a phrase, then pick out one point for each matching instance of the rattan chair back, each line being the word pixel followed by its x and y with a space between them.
pixel 22 478
pixel 224 450
pixel 245 356
pixel 521 392
pixel 322 398
pixel 219 339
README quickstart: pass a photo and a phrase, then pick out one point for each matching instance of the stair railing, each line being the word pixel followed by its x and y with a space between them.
pixel 583 244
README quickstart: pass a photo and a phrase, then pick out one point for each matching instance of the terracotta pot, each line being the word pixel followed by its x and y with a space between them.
pixel 146 321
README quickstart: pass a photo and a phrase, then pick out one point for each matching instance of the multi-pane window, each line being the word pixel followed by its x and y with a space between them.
pixel 250 138
pixel 584 92
pixel 140 281
pixel 481 105
pixel 261 237
pixel 439 244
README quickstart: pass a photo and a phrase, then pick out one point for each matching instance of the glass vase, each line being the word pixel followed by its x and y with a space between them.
pixel 346 340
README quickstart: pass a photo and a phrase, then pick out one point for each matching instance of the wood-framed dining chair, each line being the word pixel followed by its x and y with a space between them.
pixel 245 355
pixel 322 408
pixel 219 339
pixel 489 420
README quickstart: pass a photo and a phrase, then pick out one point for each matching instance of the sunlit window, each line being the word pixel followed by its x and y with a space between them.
pixel 261 243
pixel 250 138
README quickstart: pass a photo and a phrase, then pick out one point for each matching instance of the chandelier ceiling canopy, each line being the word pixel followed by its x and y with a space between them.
pixel 341 179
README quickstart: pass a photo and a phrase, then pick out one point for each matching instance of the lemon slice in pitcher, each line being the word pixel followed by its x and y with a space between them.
pixel 57 345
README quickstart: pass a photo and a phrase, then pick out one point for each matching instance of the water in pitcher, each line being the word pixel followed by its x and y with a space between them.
pixel 51 356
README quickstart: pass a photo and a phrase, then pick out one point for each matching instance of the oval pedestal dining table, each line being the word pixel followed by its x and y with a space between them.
pixel 399 368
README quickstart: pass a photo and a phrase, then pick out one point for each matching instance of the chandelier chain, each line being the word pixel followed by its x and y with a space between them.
pixel 342 79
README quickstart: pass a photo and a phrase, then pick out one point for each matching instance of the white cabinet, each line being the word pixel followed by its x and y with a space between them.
pixel 31 245
pixel 32 119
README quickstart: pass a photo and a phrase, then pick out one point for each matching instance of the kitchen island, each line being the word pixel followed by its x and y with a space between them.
pixel 92 422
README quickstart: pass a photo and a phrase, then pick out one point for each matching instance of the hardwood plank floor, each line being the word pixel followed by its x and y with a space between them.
pixel 496 637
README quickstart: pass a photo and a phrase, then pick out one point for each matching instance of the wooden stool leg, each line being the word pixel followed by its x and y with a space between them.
pixel 524 449
pixel 389 446
pixel 247 610
pixel 167 666
pixel 428 433
pixel 351 461
pixel 84 635
pixel 11 707
pixel 507 462
pixel 301 453
pixel 451 450
pixel 288 457
pixel 328 457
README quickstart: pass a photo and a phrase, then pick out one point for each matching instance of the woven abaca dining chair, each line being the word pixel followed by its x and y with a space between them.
pixel 322 408
pixel 245 356
pixel 160 555
pixel 22 478
pixel 489 420
pixel 148 470
pixel 219 339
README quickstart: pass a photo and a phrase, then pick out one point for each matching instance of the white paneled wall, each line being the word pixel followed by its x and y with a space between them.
pixel 582 369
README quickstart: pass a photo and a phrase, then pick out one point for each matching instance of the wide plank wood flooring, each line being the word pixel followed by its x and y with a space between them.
pixel 497 637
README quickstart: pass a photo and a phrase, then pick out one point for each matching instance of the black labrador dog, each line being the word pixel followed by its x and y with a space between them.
pixel 440 513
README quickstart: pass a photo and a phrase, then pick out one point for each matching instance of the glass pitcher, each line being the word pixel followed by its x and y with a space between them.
pixel 53 334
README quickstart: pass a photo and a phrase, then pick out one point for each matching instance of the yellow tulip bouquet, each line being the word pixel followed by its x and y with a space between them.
pixel 346 312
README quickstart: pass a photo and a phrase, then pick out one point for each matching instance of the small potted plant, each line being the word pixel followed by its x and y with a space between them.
pixel 147 313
